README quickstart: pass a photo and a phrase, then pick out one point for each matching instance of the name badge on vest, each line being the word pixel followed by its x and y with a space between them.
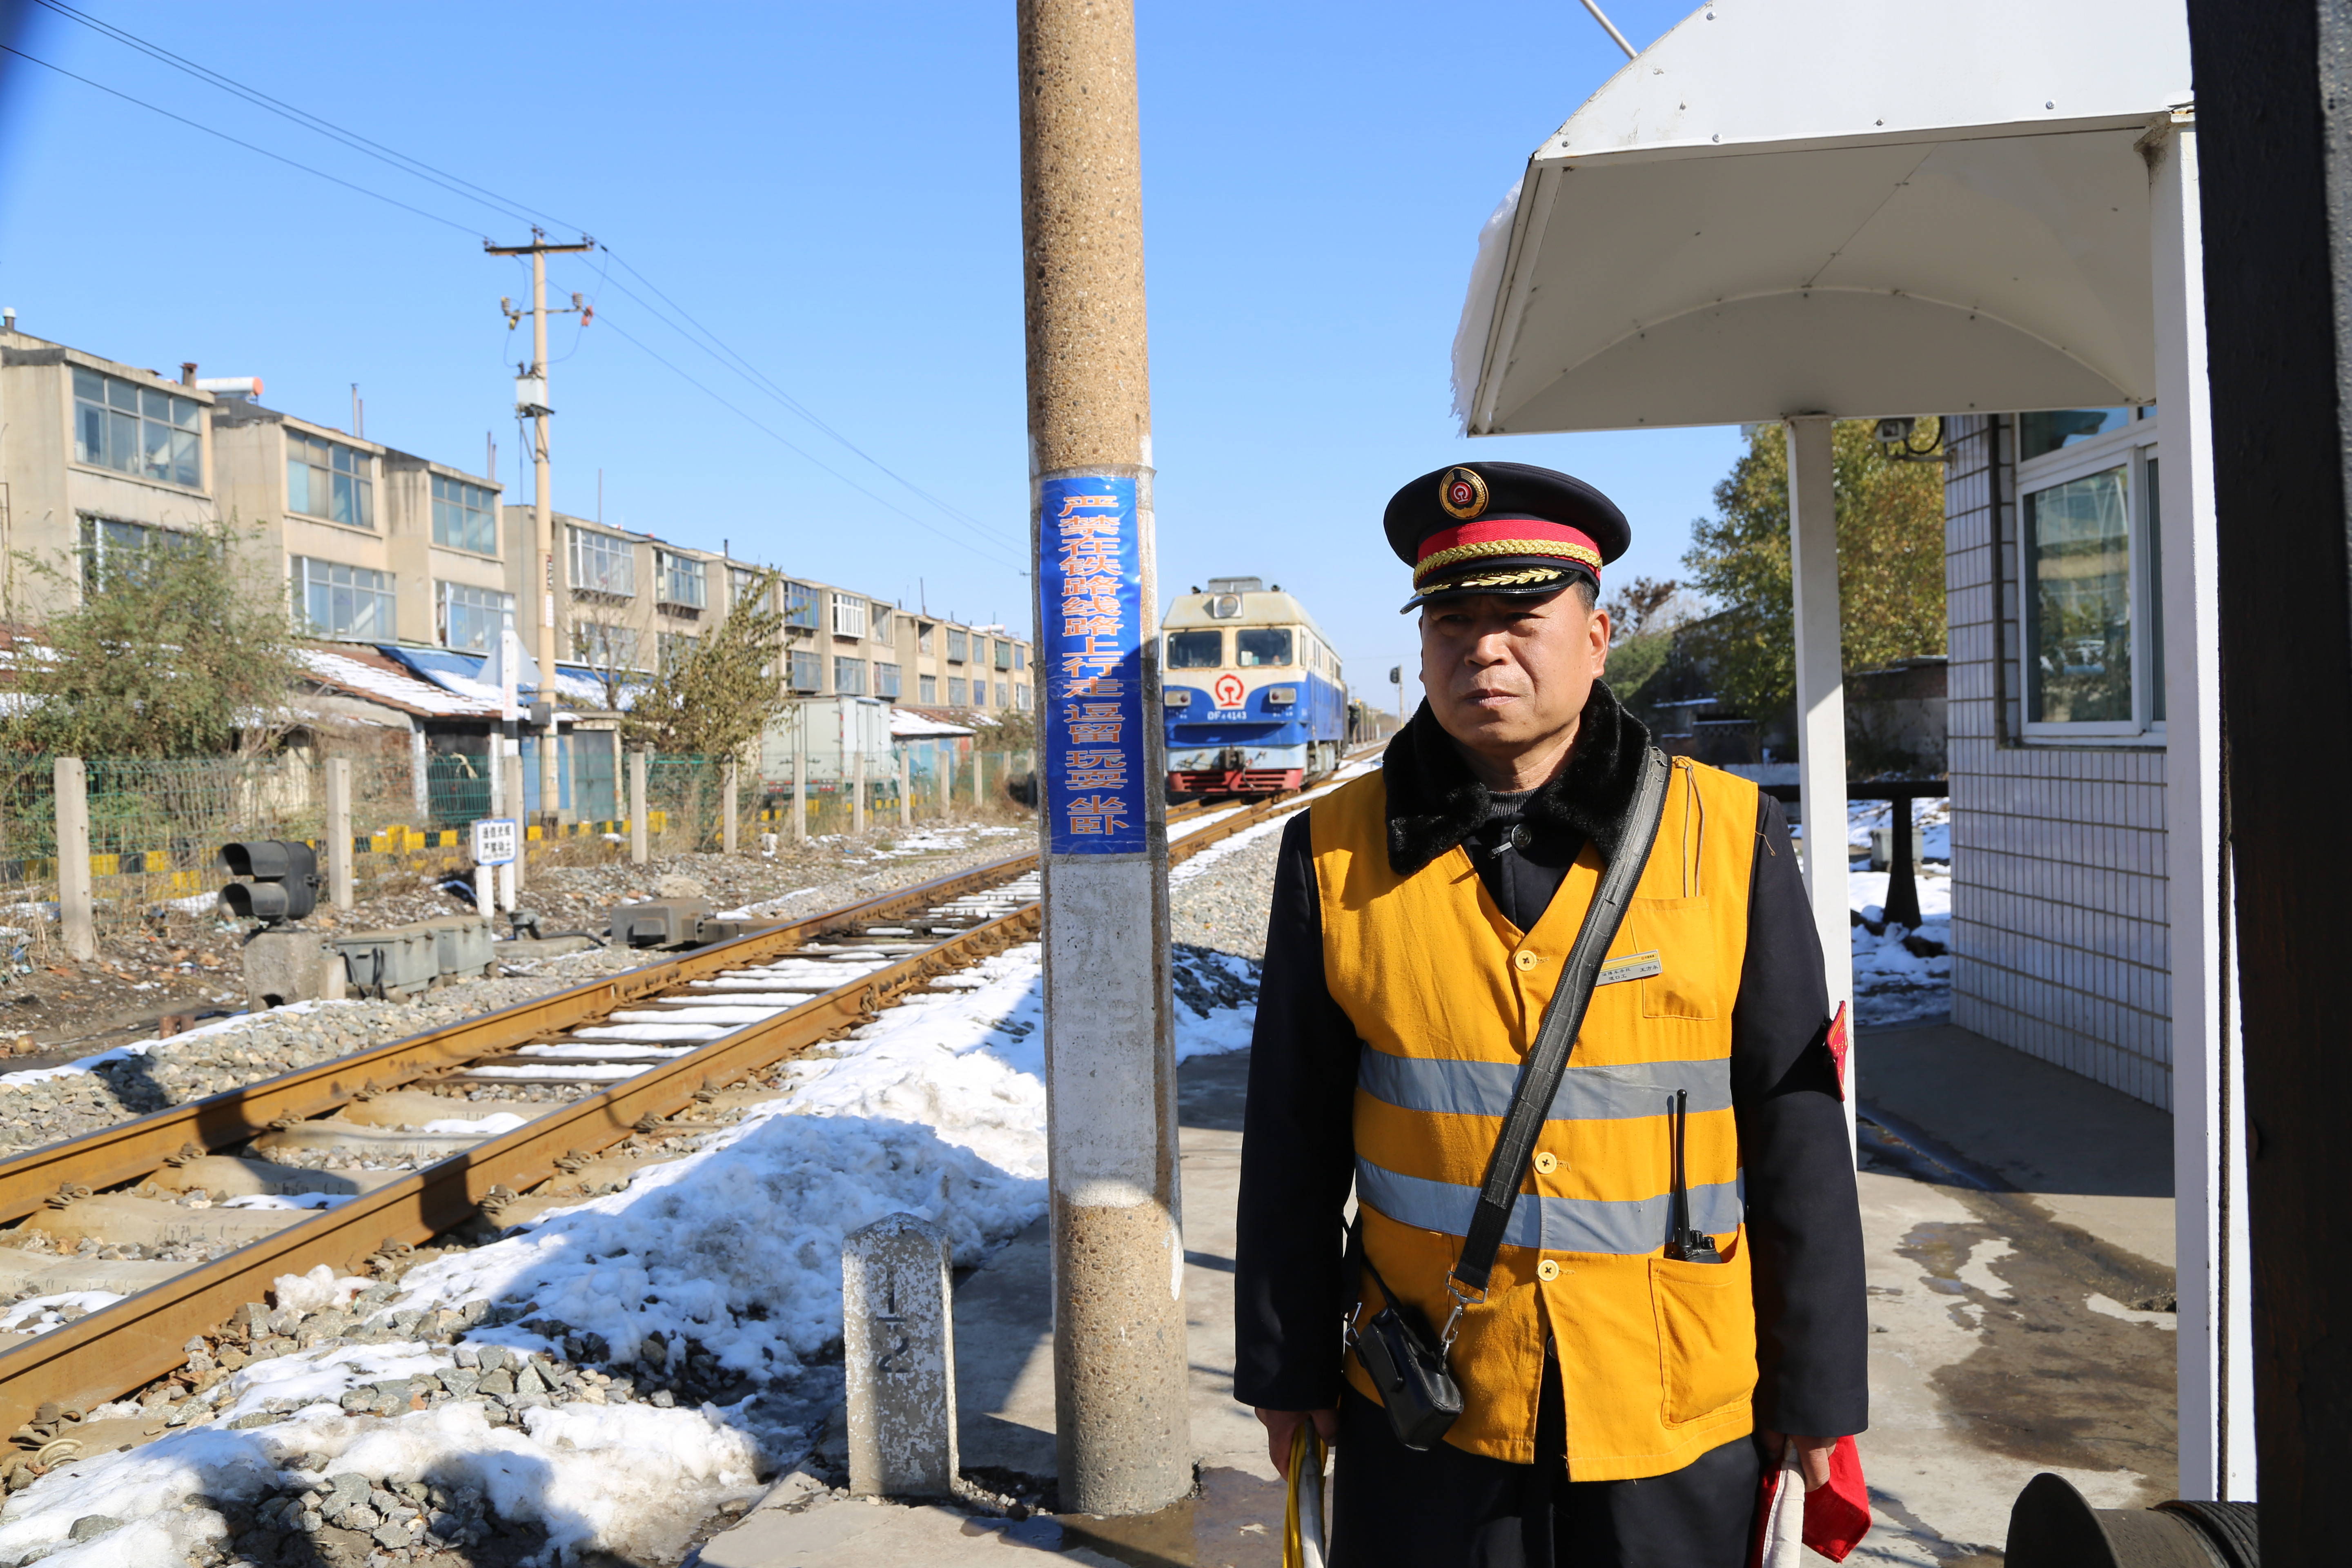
pixel 1633 966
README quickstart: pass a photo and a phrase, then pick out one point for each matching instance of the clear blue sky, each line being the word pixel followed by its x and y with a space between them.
pixel 832 190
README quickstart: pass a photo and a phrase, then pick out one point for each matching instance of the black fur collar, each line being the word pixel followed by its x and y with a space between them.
pixel 1435 801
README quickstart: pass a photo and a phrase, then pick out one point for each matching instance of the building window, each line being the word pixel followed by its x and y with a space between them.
pixel 112 551
pixel 326 479
pixel 1020 656
pixel 137 430
pixel 800 606
pixel 678 580
pixel 331 600
pixel 464 516
pixel 2091 596
pixel 880 628
pixel 807 672
pixel 956 697
pixel 472 617
pixel 886 679
pixel 849 677
pixel 957 644
pixel 672 650
pixel 927 690
pixel 603 565
pixel 849 616
pixel 602 647
pixel 1020 697
pixel 1003 695
pixel 923 630
pixel 1003 654
pixel 740 583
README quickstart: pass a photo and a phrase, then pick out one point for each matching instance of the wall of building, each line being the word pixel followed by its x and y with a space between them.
pixel 2058 874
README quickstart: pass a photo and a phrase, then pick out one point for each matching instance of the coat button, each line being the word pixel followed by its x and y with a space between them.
pixel 1546 1162
pixel 1547 1269
pixel 1526 959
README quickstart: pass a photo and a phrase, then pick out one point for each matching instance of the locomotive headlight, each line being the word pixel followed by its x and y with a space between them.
pixel 1281 696
pixel 1171 698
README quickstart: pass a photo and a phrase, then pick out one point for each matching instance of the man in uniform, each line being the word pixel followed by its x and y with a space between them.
pixel 1619 1395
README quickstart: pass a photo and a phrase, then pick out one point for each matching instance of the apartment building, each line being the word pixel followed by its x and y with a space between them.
pixel 95 454
pixel 377 545
pixel 628 601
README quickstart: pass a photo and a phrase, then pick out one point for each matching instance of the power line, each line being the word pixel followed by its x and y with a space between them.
pixel 418 167
pixel 786 442
pixel 707 340
pixel 249 146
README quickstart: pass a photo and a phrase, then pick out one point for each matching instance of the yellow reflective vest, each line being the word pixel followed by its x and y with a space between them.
pixel 1656 1356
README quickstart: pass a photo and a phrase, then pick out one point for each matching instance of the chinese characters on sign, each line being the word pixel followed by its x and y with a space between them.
pixel 1090 665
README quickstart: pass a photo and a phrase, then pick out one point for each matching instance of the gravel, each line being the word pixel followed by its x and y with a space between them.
pixel 1223 903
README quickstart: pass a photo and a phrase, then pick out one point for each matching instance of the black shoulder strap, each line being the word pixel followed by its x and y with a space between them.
pixel 1539 1077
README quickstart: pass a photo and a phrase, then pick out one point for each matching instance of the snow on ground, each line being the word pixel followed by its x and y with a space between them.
pixel 1900 975
pixel 938 1108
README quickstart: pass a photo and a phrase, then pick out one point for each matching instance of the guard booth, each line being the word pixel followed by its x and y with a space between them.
pixel 1802 211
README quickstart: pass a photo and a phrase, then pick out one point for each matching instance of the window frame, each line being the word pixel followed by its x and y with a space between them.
pixel 387 598
pixel 927 690
pixel 672 569
pixel 361 475
pixel 959 691
pixel 959 645
pixel 801 612
pixel 444 603
pixel 805 661
pixel 2130 447
pixel 609 547
pixel 886 678
pixel 848 615
pixel 845 664
pixel 461 504
pixel 134 466
pixel 621 646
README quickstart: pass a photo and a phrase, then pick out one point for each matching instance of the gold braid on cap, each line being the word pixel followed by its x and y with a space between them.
pixel 1584 554
pixel 1519 579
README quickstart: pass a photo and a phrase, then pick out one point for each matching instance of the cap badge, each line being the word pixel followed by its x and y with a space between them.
pixel 1463 493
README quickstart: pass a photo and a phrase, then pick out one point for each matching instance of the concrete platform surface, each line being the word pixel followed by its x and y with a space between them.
pixel 2093 1156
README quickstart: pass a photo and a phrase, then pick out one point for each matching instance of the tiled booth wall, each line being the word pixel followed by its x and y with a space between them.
pixel 2058 872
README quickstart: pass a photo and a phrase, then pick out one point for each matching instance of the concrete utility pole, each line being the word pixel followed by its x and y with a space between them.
pixel 531 399
pixel 1119 1364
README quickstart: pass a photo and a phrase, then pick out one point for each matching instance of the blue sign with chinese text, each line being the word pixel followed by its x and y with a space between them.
pixel 1090 666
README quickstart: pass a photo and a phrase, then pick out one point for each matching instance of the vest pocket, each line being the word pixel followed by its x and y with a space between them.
pixel 1706 1335
pixel 1682 932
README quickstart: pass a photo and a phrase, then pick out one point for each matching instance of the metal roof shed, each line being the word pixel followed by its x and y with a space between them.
pixel 1803 211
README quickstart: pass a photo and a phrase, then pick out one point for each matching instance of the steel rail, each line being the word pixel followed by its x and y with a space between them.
pixel 131 1342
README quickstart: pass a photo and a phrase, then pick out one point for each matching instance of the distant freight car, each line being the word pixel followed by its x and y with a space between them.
pixel 1254 698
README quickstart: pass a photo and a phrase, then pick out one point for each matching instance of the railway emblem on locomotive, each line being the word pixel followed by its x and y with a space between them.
pixel 1229 690
pixel 1463 493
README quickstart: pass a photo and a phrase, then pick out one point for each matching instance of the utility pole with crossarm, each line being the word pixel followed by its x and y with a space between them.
pixel 531 399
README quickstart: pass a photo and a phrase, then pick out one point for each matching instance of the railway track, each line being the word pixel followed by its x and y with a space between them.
pixel 413 1140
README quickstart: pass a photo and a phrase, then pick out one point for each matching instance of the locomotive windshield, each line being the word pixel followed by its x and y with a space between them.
pixel 1264 644
pixel 1200 650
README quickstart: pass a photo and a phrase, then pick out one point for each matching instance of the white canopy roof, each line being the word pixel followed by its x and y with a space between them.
pixel 1789 206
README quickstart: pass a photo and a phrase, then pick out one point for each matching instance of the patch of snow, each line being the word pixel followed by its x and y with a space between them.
pixel 39 1314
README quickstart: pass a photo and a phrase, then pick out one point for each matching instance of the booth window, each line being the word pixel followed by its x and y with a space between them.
pixel 2090 597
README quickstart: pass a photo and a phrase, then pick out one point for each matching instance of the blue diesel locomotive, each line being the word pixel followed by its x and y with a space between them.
pixel 1254 698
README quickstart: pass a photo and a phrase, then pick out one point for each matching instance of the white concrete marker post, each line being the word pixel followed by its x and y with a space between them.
pixel 497 842
pixel 75 911
pixel 800 774
pixel 2216 1350
pixel 857 791
pixel 906 805
pixel 638 827
pixel 1821 708
pixel 511 874
pixel 730 786
pixel 339 832
pixel 898 1358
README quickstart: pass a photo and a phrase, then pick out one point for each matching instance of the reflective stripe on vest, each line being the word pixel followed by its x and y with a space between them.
pixel 1553 1224
pixel 1586 1093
